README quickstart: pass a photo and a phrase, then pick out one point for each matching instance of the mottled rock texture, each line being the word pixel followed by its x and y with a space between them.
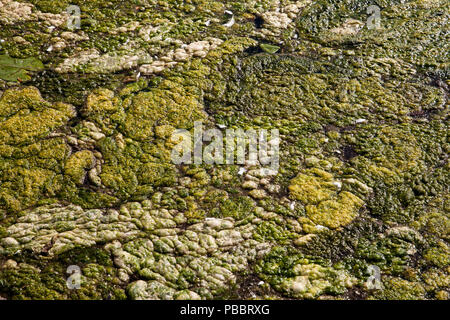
pixel 86 177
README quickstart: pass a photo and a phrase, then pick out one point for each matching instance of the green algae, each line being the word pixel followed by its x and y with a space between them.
pixel 363 175
pixel 77 164
pixel 43 278
pixel 31 160
pixel 301 276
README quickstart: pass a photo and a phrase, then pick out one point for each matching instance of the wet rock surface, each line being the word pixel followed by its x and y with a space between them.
pixel 86 177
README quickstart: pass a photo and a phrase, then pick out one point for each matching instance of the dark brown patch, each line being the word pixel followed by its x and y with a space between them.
pixel 259 21
pixel 356 293
pixel 348 153
pixel 422 114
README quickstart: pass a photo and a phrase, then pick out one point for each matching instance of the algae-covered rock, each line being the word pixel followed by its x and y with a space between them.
pixel 78 163
pixel 31 157
pixel 92 205
pixel 324 204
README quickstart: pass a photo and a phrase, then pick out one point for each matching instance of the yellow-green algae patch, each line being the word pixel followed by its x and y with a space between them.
pixel 325 204
pixel 77 164
pixel 31 159
pixel 26 117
